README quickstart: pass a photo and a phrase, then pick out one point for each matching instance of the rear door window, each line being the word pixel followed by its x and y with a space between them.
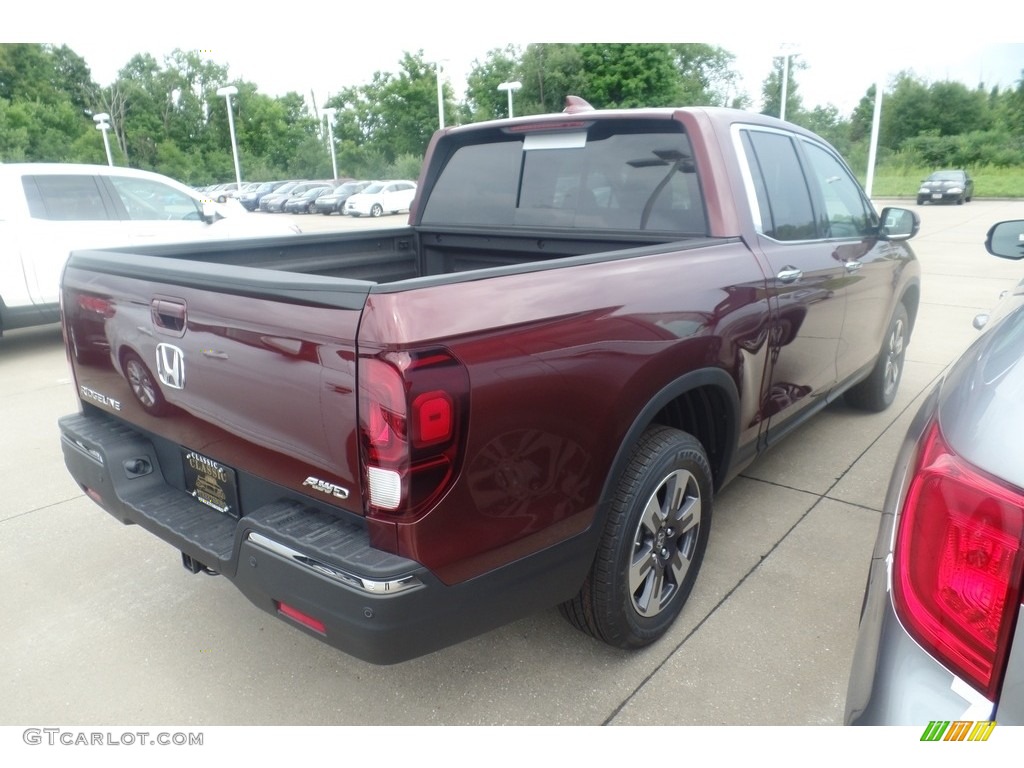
pixel 783 197
pixel 69 197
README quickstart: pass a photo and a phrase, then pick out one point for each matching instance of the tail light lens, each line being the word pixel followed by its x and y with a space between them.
pixel 96 305
pixel 412 417
pixel 957 563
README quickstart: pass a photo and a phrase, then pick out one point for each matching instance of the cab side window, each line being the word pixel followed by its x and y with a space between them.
pixel 780 185
pixel 144 199
pixel 846 211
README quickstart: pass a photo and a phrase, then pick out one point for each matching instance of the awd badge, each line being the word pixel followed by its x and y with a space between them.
pixel 331 489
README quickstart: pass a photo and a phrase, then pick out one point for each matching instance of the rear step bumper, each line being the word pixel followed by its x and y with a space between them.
pixel 304 565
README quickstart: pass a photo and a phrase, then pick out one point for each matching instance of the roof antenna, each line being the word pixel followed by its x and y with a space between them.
pixel 574 104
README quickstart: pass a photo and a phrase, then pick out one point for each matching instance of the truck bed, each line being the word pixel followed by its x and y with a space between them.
pixel 381 257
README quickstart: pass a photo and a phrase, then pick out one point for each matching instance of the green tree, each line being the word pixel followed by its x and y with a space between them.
pixel 607 75
pixel 707 76
pixel 550 72
pixel 771 90
pixel 394 114
pixel 625 75
pixel 483 99
pixel 44 112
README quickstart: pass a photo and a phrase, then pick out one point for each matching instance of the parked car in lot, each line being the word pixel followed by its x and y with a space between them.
pixel 334 202
pixel 940 635
pixel 946 187
pixel 381 197
pixel 250 199
pixel 49 209
pixel 303 203
pixel 275 202
pixel 284 191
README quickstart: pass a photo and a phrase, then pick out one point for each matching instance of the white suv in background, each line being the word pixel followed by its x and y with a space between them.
pixel 381 197
pixel 48 210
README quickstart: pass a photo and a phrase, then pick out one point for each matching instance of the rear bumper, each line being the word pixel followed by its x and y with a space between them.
pixel 305 565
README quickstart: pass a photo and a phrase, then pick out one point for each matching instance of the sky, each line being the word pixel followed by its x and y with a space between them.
pixel 309 48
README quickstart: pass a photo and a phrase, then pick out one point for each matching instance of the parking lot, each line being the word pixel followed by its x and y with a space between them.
pixel 103 625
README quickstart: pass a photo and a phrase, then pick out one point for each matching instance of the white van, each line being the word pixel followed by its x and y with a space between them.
pixel 48 210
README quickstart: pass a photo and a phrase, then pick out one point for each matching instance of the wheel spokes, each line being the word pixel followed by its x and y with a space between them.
pixel 664 543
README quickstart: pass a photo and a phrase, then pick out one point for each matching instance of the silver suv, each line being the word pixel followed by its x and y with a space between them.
pixel 941 635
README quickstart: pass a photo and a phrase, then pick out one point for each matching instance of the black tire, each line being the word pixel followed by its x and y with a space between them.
pixel 653 543
pixel 376 210
pixel 878 390
pixel 144 385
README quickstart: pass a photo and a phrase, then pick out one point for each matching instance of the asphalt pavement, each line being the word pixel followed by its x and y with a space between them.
pixel 102 625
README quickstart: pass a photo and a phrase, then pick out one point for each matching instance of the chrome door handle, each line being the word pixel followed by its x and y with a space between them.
pixel 789 274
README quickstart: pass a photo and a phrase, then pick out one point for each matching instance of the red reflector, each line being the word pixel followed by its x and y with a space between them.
pixel 433 418
pixel 304 619
pixel 94 495
pixel 957 563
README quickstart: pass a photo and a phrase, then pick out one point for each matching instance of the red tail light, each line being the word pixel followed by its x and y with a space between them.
pixel 412 414
pixel 97 305
pixel 957 563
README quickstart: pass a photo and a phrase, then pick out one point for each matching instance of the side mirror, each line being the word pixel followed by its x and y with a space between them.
pixel 898 224
pixel 210 212
pixel 1006 240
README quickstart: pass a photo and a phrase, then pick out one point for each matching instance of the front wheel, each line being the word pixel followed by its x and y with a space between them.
pixel 878 390
pixel 653 543
pixel 376 210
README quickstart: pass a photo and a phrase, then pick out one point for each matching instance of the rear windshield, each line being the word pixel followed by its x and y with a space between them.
pixel 610 175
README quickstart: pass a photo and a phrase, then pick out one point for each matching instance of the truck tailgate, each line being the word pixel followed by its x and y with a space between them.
pixel 255 379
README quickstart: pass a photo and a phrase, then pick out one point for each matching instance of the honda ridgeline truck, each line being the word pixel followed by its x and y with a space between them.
pixel 527 397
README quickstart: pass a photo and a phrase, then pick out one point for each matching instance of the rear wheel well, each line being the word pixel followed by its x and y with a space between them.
pixel 706 413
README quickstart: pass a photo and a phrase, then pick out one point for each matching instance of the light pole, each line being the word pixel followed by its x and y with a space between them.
pixel 227 92
pixel 510 88
pixel 439 67
pixel 329 113
pixel 103 124
pixel 787 50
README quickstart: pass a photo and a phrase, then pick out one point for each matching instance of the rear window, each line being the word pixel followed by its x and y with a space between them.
pixel 610 175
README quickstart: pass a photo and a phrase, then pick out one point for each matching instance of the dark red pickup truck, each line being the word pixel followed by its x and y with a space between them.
pixel 527 397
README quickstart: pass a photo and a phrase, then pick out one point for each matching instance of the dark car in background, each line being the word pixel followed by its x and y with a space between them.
pixel 250 200
pixel 941 633
pixel 275 201
pixel 280 194
pixel 304 202
pixel 334 202
pixel 946 187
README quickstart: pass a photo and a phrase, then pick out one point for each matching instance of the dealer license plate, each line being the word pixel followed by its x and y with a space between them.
pixel 211 483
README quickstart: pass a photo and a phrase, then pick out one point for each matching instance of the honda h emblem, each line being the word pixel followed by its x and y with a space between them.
pixel 170 366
